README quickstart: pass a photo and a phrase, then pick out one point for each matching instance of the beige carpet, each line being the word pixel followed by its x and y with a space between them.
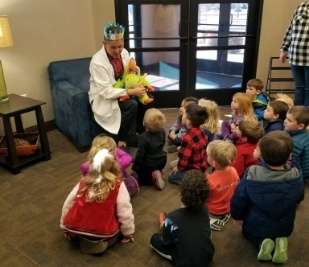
pixel 30 208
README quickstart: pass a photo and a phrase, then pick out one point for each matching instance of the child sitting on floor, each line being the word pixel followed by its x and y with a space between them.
pixel 192 153
pixel 259 99
pixel 150 157
pixel 123 158
pixel 212 124
pixel 297 119
pixel 241 108
pixel 102 196
pixel 185 237
pixel 222 182
pixel 249 133
pixel 274 116
pixel 265 200
pixel 178 130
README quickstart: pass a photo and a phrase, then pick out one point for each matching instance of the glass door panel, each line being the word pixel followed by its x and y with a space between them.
pixel 192 47
pixel 162 69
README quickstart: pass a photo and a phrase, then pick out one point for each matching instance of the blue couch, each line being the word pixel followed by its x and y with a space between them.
pixel 69 84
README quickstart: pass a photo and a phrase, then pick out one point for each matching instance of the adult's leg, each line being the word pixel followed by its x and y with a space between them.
pixel 306 75
pixel 163 250
pixel 127 131
pixel 299 82
pixel 140 115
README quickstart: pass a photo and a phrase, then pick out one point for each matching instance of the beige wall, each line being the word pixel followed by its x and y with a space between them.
pixel 276 18
pixel 45 31
pixel 48 30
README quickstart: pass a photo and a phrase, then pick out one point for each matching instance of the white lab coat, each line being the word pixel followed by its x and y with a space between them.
pixel 102 94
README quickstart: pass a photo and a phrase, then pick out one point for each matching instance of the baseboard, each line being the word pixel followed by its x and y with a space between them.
pixel 49 126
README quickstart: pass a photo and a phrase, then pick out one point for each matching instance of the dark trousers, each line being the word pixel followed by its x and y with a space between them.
pixel 132 115
pixel 145 171
pixel 166 251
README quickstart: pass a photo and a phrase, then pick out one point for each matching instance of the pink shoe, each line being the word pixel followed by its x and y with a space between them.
pixel 157 178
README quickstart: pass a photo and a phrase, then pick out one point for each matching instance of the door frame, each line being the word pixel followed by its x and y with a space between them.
pixel 188 47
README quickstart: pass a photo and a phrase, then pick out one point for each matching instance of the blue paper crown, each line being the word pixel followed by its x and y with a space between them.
pixel 113 32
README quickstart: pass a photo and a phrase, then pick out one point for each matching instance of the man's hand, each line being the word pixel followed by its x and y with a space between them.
pixel 283 56
pixel 137 91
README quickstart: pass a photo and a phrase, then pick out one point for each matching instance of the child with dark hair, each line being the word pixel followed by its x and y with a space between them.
pixel 185 236
pixel 249 133
pixel 265 200
pixel 259 99
pixel 150 157
pixel 222 182
pixel 297 119
pixel 192 153
pixel 178 130
pixel 274 116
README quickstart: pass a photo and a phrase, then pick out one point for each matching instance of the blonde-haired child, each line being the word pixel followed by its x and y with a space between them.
pixel 123 158
pixel 102 196
pixel 285 98
pixel 241 108
pixel 211 125
pixel 222 182
pixel 150 157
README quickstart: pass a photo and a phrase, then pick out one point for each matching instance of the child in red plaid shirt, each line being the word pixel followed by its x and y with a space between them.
pixel 192 153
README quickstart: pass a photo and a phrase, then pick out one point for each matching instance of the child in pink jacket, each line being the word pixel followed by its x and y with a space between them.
pixel 124 160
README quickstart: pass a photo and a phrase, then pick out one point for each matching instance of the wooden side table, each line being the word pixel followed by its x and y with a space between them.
pixel 14 107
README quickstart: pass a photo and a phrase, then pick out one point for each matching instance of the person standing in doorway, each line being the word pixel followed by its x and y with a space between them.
pixel 295 45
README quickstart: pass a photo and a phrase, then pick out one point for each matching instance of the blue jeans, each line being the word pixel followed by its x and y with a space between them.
pixel 177 177
pixel 301 80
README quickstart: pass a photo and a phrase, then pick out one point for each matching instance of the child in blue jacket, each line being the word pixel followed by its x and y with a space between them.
pixel 265 200
pixel 259 99
pixel 296 122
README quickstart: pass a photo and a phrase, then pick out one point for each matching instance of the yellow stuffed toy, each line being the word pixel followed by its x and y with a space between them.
pixel 131 78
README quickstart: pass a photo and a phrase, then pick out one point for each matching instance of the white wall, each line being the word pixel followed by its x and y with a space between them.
pixel 49 30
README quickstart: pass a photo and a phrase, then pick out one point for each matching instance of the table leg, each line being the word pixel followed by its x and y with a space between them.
pixel 12 155
pixel 19 124
pixel 43 136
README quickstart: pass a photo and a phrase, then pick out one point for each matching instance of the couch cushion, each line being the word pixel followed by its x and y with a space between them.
pixel 74 71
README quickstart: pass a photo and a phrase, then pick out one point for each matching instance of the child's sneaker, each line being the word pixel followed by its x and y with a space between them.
pixel 266 249
pixel 281 250
pixel 157 178
pixel 216 224
pixel 226 217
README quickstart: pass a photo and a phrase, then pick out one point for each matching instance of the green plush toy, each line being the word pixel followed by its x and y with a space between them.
pixel 131 78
